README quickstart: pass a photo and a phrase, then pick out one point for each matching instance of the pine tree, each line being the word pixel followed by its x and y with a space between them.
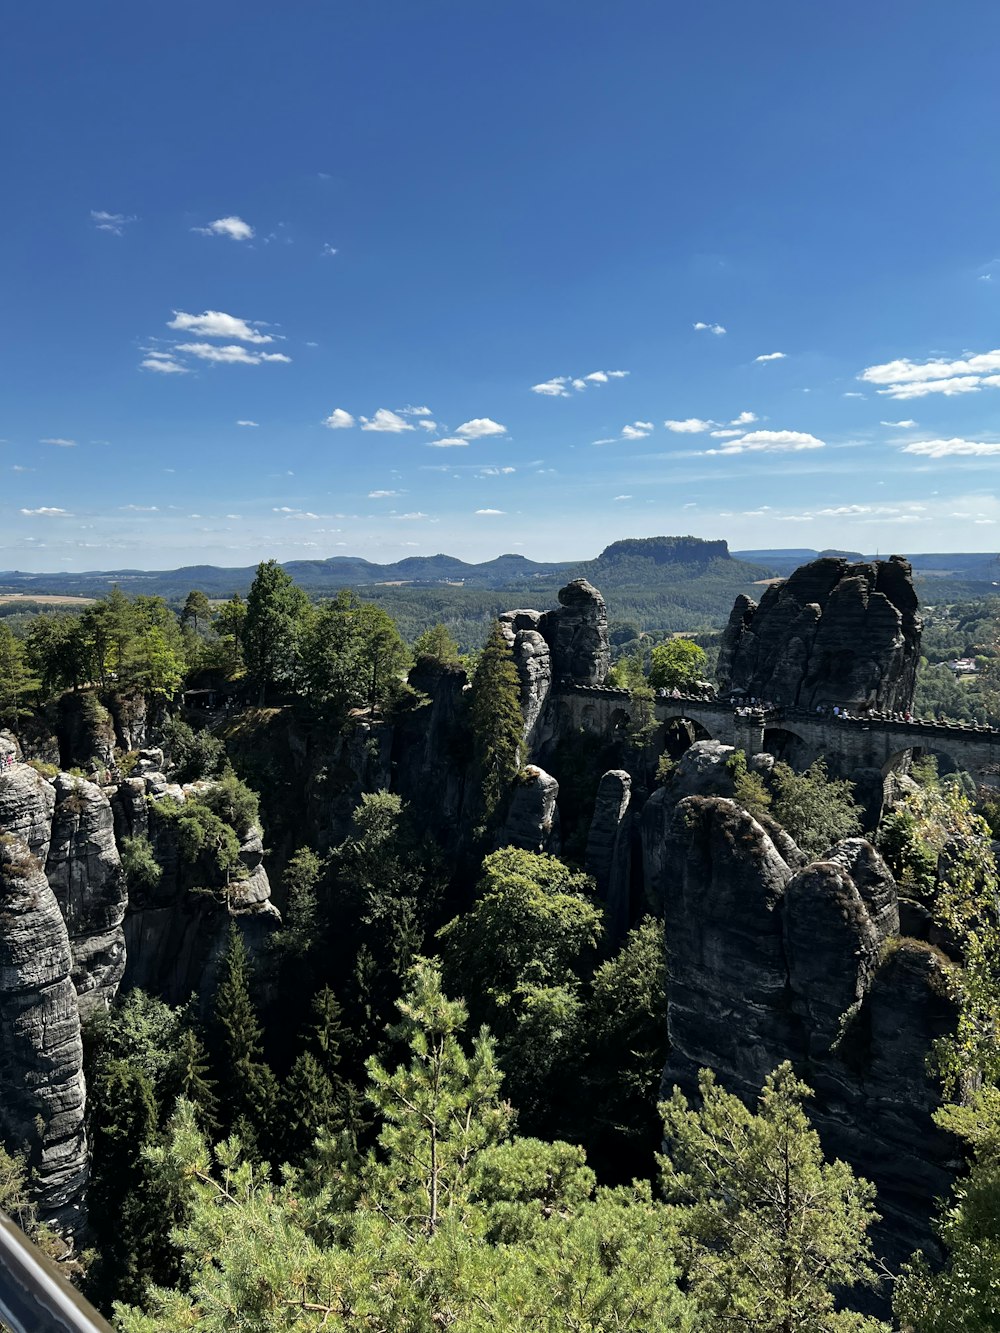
pixel 191 1079
pixel 329 1032
pixel 309 1104
pixel 497 723
pixel 248 1086
pixel 17 684
pixel 277 612
pixel 773 1229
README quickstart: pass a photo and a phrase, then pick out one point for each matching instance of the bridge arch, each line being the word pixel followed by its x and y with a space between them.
pixel 788 746
pixel 901 760
pixel 678 733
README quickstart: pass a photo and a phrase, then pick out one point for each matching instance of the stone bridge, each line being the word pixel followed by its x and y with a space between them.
pixel 799 737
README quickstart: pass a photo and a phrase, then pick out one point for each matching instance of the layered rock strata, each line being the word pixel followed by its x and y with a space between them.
pixel 831 633
pixel 769 961
pixel 609 849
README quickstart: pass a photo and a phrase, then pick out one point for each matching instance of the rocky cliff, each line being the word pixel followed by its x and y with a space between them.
pixel 831 633
pixel 770 961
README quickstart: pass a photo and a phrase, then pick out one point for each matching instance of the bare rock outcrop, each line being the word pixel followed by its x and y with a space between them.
pixel 609 848
pixel 85 873
pixel 769 960
pixel 533 658
pixel 831 633
pixel 532 821
pixel 41 1055
pixel 577 634
pixel 26 804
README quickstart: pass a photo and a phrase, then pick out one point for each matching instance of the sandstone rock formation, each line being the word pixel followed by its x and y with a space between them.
pixel 85 873
pixel 532 821
pixel 831 633
pixel 609 848
pixel 41 1054
pixel 577 634
pixel 768 962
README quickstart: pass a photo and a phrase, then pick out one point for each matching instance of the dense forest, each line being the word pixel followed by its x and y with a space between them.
pixel 430 1097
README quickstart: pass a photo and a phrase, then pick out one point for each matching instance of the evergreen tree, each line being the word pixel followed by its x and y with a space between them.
pixel 248 1087
pixel 197 608
pixel 17 685
pixel 309 1104
pixel 437 644
pixel 330 1034
pixel 497 723
pixel 773 1229
pixel 191 1079
pixel 276 615
pixel 230 621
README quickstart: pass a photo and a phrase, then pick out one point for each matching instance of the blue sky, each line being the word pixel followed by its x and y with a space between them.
pixel 478 276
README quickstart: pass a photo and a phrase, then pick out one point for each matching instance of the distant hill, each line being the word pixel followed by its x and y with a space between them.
pixel 653 583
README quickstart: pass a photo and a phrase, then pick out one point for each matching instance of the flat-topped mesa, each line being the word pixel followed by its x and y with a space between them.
pixel 831 633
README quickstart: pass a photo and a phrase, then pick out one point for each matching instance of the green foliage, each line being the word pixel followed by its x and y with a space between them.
pixel 910 857
pixel 353 656
pixel 300 916
pixel 815 809
pixel 247 1086
pixel 142 870
pixel 230 620
pixel 197 610
pixel 234 802
pixel 54 652
pixel 277 613
pixel 17 685
pixel 676 664
pixel 190 1077
pixel 748 788
pixel 202 837
pixel 964 1293
pixel 437 644
pixel 497 723
pixel 192 754
pixel 773 1230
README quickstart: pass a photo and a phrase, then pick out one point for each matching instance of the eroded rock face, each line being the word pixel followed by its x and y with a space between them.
pixel 533 659
pixel 577 634
pixel 26 804
pixel 41 1055
pixel 532 821
pixel 609 848
pixel 85 873
pixel 832 633
pixel 769 962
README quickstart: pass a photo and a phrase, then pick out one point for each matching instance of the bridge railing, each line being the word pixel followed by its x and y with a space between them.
pixel 34 1295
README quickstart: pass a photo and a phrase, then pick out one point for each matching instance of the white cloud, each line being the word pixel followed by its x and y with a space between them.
pixel 904 378
pixel 387 421
pixel 112 222
pixel 689 426
pixel 479 427
pixel 903 425
pixel 233 355
pixel 851 394
pixel 46 512
pixel 623 497
pixel 248 423
pixel 329 250
pixel 410 411
pixel 382 495
pixel 217 324
pixel 726 434
pixel 717 329
pixel 490 511
pixel 338 419
pixel 141 509
pixel 496 471
pixel 770 441
pixel 416 515
pixel 556 387
pixel 955 448
pixel 450 443
pixel 424 424
pixel 744 419
pixel 62 444
pixel 638 430
pixel 771 356
pixel 233 227
pixel 166 365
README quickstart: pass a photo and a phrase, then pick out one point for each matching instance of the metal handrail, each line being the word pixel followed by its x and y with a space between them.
pixel 34 1295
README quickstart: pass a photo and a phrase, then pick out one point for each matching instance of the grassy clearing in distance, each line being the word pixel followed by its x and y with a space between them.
pixel 47 599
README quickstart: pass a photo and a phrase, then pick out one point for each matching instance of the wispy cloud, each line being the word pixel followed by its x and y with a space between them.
pixel 248 423
pixel 217 324
pixel 490 511
pixel 329 250
pixel 338 420
pixel 115 223
pixel 425 424
pixel 164 363
pixel 141 509
pixel 58 440
pixel 411 411
pixel 702 327
pixel 451 442
pixel 560 385
pixel 233 227
pixel 904 379
pixel 771 356
pixel 479 427
pixel 770 441
pixel 46 511
pixel 233 355
pixel 623 497
pixel 638 430
pixel 383 495
pixel 901 425
pixel 955 448
pixel 384 420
